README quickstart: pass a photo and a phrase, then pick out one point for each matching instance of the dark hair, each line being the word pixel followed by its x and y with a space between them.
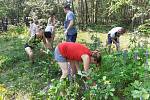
pixel 97 57
pixel 123 30
pixel 52 14
pixel 67 6
pixel 36 22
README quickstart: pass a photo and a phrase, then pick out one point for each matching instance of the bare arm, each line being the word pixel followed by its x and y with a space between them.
pixel 70 25
pixel 114 40
pixel 45 44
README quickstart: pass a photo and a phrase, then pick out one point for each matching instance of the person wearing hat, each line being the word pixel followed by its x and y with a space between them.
pixel 69 25
pixel 74 53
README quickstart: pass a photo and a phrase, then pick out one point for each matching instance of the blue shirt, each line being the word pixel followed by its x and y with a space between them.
pixel 70 16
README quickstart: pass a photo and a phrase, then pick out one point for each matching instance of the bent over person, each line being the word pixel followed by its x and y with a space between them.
pixel 74 53
pixel 113 37
pixel 33 42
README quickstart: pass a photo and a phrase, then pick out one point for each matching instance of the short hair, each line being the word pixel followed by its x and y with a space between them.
pixel 123 30
pixel 97 57
pixel 67 6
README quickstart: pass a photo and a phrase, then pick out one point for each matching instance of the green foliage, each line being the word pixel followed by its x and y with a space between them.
pixel 118 77
pixel 140 91
pixel 17 30
pixel 118 4
pixel 3 9
pixel 144 29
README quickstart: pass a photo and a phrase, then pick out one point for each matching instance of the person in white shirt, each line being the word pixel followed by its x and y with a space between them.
pixel 33 27
pixel 49 30
pixel 113 37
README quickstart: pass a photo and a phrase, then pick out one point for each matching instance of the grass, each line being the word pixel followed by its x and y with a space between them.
pixel 16 72
pixel 124 40
pixel 20 78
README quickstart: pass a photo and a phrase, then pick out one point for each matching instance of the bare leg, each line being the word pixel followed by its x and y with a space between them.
pixel 52 39
pixel 109 48
pixel 48 43
pixel 73 67
pixel 64 68
pixel 77 66
pixel 117 46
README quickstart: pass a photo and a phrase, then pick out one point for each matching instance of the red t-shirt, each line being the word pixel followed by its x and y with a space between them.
pixel 73 51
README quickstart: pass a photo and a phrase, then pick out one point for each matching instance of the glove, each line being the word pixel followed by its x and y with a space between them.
pixel 79 72
pixel 83 73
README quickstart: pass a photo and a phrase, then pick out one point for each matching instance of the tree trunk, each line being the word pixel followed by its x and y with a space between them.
pixel 96 11
pixel 86 12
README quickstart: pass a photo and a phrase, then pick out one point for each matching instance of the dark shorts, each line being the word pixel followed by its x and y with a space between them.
pixel 47 34
pixel 27 45
pixel 110 39
pixel 71 38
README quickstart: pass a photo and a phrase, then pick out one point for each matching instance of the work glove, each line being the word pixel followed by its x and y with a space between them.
pixel 83 73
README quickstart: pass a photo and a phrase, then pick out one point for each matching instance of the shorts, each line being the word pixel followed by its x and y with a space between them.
pixel 110 39
pixel 27 45
pixel 58 56
pixel 47 34
pixel 71 38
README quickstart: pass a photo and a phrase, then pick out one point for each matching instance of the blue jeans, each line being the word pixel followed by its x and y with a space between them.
pixel 71 38
pixel 58 56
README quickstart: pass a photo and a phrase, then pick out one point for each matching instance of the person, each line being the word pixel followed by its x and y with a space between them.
pixel 49 30
pixel 74 53
pixel 113 36
pixel 69 25
pixel 33 27
pixel 5 23
pixel 26 21
pixel 33 42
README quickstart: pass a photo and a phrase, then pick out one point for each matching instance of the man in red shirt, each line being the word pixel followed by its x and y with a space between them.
pixel 74 53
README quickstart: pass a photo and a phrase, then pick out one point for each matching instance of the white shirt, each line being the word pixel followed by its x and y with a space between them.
pixel 113 31
pixel 49 28
pixel 33 29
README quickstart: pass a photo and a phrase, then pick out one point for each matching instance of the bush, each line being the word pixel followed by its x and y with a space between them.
pixel 144 29
pixel 17 30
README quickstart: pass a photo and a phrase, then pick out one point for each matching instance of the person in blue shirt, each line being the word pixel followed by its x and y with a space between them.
pixel 69 25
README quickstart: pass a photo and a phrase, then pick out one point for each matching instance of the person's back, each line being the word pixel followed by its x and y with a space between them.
pixel 33 28
pixel 113 31
pixel 113 37
pixel 73 51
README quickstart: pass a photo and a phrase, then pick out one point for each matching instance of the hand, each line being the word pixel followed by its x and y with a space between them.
pixel 83 73
pixel 117 44
pixel 79 72
pixel 41 50
pixel 66 31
